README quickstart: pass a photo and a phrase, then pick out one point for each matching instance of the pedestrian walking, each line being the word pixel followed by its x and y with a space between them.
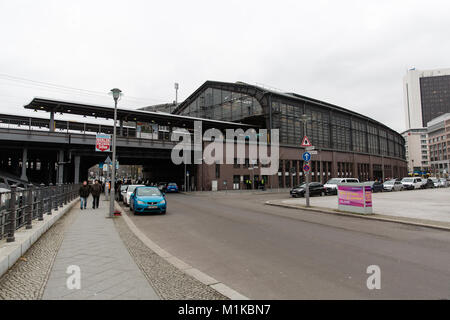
pixel 84 194
pixel 96 190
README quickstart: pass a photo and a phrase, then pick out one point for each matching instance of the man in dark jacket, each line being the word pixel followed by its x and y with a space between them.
pixel 96 190
pixel 84 194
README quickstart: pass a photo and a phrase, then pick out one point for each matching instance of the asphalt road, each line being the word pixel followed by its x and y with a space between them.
pixel 268 252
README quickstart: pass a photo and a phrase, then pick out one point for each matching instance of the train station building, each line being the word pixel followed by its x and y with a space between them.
pixel 346 143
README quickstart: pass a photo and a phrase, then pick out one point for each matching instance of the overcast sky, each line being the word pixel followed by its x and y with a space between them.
pixel 350 53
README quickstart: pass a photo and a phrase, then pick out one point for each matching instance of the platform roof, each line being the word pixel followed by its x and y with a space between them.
pixel 88 110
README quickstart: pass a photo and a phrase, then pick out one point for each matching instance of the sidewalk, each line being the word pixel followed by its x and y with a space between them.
pixel 107 271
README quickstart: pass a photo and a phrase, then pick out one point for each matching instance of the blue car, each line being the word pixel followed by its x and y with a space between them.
pixel 172 187
pixel 148 199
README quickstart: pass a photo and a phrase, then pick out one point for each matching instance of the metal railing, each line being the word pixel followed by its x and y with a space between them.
pixel 20 206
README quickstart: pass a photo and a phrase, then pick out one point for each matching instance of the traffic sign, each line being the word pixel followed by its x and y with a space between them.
pixel 310 148
pixel 306 168
pixel 314 152
pixel 306 156
pixel 103 142
pixel 306 142
pixel 108 160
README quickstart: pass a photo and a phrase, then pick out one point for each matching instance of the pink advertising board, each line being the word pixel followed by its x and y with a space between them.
pixel 355 196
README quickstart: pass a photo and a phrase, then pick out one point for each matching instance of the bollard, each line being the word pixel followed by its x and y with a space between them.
pixel 59 193
pixel 29 209
pixel 12 215
pixel 66 194
pixel 54 200
pixel 41 201
pixel 48 192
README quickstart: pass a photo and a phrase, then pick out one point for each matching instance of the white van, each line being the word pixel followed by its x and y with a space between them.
pixel 410 183
pixel 332 184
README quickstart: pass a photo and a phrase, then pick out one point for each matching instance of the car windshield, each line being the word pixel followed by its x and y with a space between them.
pixel 300 186
pixel 434 180
pixel 407 180
pixel 333 181
pixel 148 192
pixel 131 188
pixel 389 182
pixel 173 184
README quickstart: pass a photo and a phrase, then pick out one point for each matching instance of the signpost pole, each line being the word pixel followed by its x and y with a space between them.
pixel 305 119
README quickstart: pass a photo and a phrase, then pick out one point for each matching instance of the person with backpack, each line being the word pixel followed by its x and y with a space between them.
pixel 84 194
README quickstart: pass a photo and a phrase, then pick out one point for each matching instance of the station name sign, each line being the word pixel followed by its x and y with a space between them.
pixel 103 142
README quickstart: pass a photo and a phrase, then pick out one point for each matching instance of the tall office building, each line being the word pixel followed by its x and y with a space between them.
pixel 426 96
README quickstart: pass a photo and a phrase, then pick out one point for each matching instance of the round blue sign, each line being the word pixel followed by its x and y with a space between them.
pixel 306 156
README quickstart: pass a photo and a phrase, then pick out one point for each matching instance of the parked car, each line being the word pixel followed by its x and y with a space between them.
pixel 376 186
pixel 315 188
pixel 148 199
pixel 393 185
pixel 411 183
pixel 332 184
pixel 130 190
pixel 122 191
pixel 443 183
pixel 162 186
pixel 429 184
pixel 436 182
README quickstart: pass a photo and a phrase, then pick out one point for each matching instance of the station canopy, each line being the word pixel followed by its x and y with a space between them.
pixel 161 118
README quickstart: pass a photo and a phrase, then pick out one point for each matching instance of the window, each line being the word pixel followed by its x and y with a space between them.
pixel 217 171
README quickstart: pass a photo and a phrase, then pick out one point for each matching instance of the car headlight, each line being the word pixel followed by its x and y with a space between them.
pixel 162 202
pixel 140 202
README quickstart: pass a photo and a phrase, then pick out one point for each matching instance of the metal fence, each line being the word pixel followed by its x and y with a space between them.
pixel 20 206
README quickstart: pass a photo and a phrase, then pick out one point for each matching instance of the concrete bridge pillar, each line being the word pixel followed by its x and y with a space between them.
pixel 52 121
pixel 76 178
pixel 23 176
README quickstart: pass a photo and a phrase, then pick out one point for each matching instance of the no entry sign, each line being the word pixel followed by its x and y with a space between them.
pixel 103 142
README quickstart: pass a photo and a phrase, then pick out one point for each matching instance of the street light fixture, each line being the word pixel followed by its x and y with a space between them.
pixel 116 93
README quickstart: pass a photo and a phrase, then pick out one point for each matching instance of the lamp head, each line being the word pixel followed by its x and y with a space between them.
pixel 116 93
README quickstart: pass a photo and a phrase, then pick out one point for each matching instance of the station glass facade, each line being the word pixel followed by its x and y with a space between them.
pixel 329 127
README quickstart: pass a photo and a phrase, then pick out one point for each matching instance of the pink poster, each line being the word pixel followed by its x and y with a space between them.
pixel 351 196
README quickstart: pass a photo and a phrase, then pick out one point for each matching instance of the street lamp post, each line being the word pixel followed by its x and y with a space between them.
pixel 116 95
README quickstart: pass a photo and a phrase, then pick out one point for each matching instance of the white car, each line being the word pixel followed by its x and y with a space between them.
pixel 436 182
pixel 332 184
pixel 392 185
pixel 123 192
pixel 411 183
pixel 444 182
pixel 130 190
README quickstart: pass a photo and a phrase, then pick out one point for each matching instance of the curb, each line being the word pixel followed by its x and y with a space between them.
pixel 181 265
pixel 10 252
pixel 376 217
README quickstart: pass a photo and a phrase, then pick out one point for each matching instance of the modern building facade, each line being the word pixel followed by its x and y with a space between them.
pixel 348 144
pixel 439 145
pixel 416 147
pixel 426 96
